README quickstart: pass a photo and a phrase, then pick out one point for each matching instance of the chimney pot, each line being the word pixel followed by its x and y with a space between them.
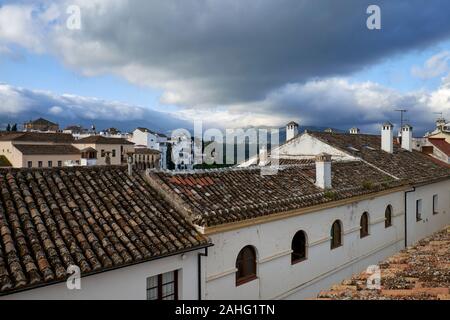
pixel 323 171
pixel 291 130
pixel 387 137
pixel 407 137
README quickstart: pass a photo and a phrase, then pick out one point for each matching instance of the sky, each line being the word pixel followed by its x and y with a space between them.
pixel 164 64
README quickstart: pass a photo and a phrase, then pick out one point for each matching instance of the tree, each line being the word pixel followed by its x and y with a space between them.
pixel 8 127
pixel 14 127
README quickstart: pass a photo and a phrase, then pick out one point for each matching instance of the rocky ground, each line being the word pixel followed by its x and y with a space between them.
pixel 418 272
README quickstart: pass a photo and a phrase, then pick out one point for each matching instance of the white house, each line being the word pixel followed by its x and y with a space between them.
pixel 336 204
pixel 152 140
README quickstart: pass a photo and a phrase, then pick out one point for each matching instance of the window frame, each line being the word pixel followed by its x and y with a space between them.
pixel 364 225
pixel 419 212
pixel 435 203
pixel 30 164
pixel 160 284
pixel 295 256
pixel 388 220
pixel 50 164
pixel 333 242
pixel 241 266
pixel 40 164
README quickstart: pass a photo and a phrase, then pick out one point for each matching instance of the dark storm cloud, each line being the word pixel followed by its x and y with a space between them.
pixel 222 52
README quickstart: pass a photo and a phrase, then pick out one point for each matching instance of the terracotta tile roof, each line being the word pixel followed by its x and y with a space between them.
pixel 96 218
pixel 46 149
pixel 146 151
pixel 42 121
pixel 414 166
pixel 102 140
pixel 151 131
pixel 37 137
pixel 441 144
pixel 293 161
pixel 418 272
pixel 229 195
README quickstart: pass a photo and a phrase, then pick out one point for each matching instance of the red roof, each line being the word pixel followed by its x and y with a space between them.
pixel 441 144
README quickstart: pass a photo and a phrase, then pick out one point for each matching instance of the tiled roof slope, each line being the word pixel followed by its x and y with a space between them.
pixel 96 218
pixel 102 140
pixel 416 273
pixel 441 144
pixel 40 149
pixel 284 161
pixel 414 166
pixel 36 137
pixel 229 195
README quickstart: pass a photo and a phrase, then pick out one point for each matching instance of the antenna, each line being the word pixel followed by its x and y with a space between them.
pixel 402 112
pixel 440 113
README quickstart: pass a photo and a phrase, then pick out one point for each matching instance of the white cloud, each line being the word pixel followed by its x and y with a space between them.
pixel 18 26
pixel 434 67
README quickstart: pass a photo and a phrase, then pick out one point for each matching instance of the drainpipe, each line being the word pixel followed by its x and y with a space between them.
pixel 406 216
pixel 200 255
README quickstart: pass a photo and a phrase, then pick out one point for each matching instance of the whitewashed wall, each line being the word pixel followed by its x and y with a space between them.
pixel 277 278
pixel 303 146
pixel 123 284
pixel 430 222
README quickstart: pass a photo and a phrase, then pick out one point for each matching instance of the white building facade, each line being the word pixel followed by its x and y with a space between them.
pixel 127 283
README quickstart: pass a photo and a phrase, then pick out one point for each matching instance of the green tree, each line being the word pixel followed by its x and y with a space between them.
pixel 14 127
pixel 8 127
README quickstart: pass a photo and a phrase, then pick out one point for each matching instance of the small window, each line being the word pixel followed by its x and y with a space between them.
pixel 388 217
pixel 60 163
pixel 114 153
pixel 298 247
pixel 30 164
pixel 336 234
pixel 50 164
pixel 40 164
pixel 246 265
pixel 364 225
pixel 435 204
pixel 102 153
pixel 419 210
pixel 163 286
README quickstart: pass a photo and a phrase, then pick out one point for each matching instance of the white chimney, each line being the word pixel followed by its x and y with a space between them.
pixel 354 130
pixel 263 157
pixel 387 137
pixel 323 171
pixel 407 142
pixel 291 130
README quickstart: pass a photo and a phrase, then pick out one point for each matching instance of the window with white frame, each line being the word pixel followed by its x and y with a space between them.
pixel 163 286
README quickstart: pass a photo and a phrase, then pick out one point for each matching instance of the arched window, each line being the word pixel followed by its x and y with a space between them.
pixel 336 234
pixel 246 265
pixel 298 247
pixel 364 225
pixel 388 216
